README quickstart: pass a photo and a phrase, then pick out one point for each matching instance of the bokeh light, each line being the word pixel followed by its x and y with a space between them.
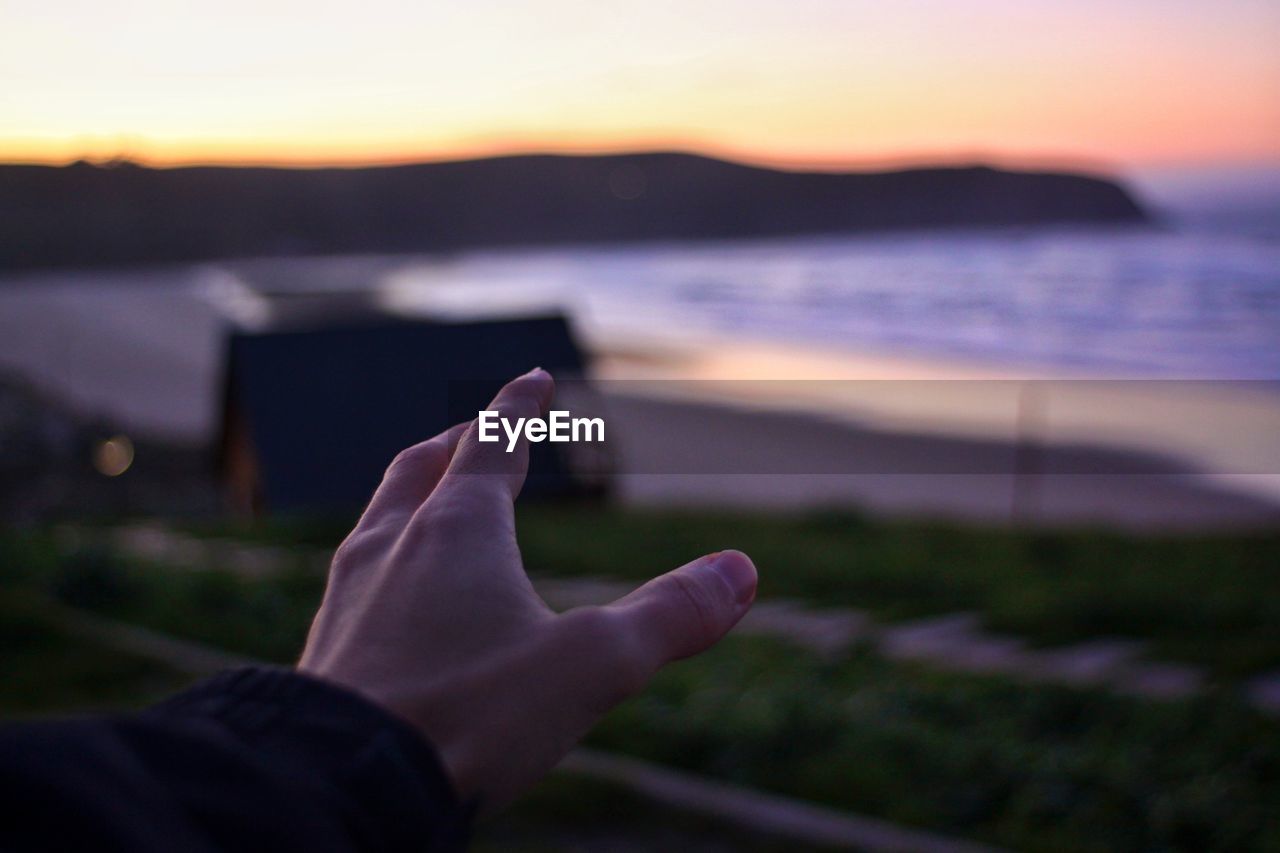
pixel 113 456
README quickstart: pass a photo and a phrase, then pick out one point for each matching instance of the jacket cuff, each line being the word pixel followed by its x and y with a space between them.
pixel 385 777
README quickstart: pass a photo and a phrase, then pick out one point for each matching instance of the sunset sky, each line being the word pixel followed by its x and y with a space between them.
pixel 1123 83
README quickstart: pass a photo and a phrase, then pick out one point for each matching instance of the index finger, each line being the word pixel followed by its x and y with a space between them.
pixel 490 464
pixel 411 478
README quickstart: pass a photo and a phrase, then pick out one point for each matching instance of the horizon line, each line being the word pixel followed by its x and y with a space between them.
pixel 780 161
pixel 970 158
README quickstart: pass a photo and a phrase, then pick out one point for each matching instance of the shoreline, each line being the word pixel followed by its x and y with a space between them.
pixel 1225 431
pixel 150 362
pixel 673 453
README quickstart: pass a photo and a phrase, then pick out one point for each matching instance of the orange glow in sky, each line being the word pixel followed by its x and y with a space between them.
pixel 1124 82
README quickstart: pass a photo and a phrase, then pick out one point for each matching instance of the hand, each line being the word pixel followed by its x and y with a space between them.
pixel 429 613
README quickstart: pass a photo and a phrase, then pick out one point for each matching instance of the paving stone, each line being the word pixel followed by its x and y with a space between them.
pixel 981 653
pixel 1159 680
pixel 828 631
pixel 1264 692
pixel 1089 664
pixel 927 638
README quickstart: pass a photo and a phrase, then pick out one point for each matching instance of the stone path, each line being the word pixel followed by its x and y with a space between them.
pixel 955 642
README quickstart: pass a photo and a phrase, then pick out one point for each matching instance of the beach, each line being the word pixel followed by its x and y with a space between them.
pixel 714 422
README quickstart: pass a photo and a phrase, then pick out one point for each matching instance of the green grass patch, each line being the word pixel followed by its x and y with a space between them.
pixel 1029 767
pixel 264 618
pixel 44 670
pixel 1212 599
pixel 566 813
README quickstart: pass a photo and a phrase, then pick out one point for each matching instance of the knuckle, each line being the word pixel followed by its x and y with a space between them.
pixel 442 511
pixel 518 403
pixel 422 455
pixel 477 458
pixel 452 509
pixel 360 547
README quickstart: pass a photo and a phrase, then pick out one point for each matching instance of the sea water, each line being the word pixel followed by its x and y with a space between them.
pixel 1147 302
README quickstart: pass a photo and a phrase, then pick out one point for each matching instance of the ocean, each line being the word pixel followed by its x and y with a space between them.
pixel 1142 303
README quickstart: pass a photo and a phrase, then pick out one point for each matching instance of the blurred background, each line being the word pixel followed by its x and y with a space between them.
pixel 962 319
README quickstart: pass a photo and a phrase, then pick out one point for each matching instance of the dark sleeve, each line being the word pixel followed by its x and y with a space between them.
pixel 254 759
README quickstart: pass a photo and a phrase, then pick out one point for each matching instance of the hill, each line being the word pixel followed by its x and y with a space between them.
pixel 87 215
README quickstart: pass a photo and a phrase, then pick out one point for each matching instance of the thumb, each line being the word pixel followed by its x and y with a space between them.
pixel 687 610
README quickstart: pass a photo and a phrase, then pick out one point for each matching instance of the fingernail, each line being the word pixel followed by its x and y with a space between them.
pixel 536 371
pixel 737 570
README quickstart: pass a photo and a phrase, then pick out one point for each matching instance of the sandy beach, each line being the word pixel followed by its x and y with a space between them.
pixel 743 425
pixel 717 454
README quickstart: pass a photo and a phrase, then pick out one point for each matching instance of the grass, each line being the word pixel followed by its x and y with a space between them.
pixel 569 813
pixel 1211 600
pixel 1027 766
pixel 266 619
pixel 43 670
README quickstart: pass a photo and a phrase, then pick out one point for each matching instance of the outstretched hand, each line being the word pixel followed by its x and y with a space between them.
pixel 429 613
